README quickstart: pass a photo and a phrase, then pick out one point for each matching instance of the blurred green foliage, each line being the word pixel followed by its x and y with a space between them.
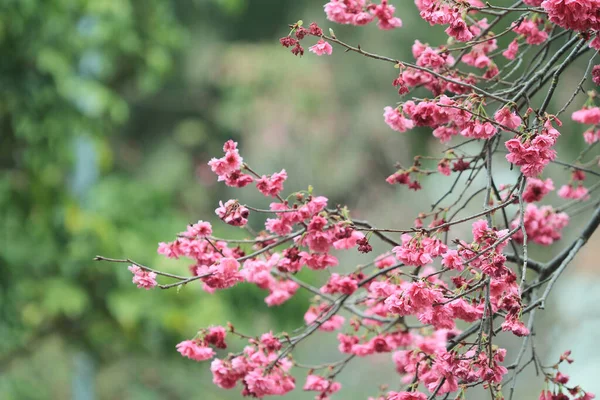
pixel 73 75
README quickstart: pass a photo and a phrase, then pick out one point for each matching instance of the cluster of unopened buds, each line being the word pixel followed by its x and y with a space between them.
pixel 414 299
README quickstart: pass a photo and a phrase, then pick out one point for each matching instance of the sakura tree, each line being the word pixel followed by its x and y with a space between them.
pixel 410 300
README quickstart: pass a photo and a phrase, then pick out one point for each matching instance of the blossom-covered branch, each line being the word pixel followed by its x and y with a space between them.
pixel 436 297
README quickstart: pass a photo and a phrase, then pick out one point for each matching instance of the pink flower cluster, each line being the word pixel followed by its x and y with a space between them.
pixel 533 154
pixel 396 120
pixel 228 167
pixel 483 283
pixel 403 178
pixel 596 72
pixel 589 116
pixel 484 253
pixel 560 381
pixel 322 47
pixel 512 50
pixel 431 364
pixel 325 387
pixel 407 302
pixel 448 118
pixel 271 185
pixel 199 349
pixel 259 272
pixel 253 368
pixel 579 15
pixel 507 119
pixel 537 189
pixel 575 189
pixel 233 213
pixel 195 351
pixel 406 396
pixel 419 250
pixel 143 278
pixel 442 13
pixel 341 284
pixel 529 28
pixel 213 260
pixel 543 225
pixel 224 273
pixel 362 12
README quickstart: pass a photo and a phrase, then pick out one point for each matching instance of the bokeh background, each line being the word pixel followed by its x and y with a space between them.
pixel 109 111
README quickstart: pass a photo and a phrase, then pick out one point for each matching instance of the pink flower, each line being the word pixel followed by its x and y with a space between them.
pixel 319 242
pixel 348 240
pixel 533 155
pixel 546 395
pixel 280 226
pixel 452 260
pixel 229 163
pixel 513 324
pixel 570 191
pixel 346 343
pixel 200 229
pixel 192 350
pixel 340 284
pixel 384 261
pixel 591 136
pixel 216 337
pixel 459 30
pixel 463 310
pixel 596 71
pixel 280 292
pixel 396 120
pixel 142 278
pixel 444 167
pixel 507 118
pixel 529 29
pixel 512 50
pixel 233 213
pixel 415 297
pixel 416 251
pixel 321 48
pixel 385 13
pixel 318 261
pixel 431 58
pixel 363 349
pixel 224 273
pixel 579 15
pixel 260 385
pixel 238 179
pixel 259 272
pixel 272 185
pixel 479 130
pixel 406 396
pixel 543 225
pixel 561 378
pixel 445 133
pixel 270 342
pixel 319 384
pixel 337 11
pixel 587 116
pixel 362 18
pixel 225 375
pixel 536 189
